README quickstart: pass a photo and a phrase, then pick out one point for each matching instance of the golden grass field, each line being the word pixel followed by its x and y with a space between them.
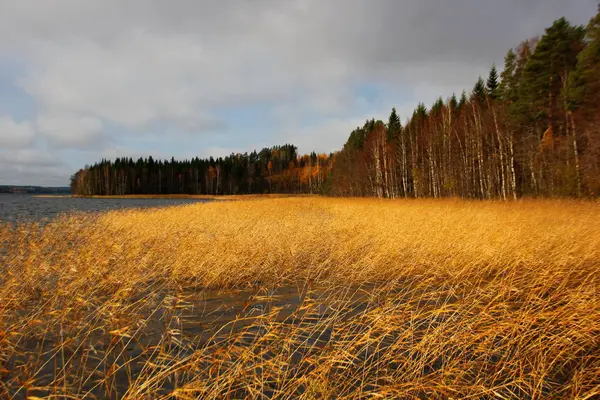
pixel 308 298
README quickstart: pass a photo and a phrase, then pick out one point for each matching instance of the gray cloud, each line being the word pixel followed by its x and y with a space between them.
pixel 32 167
pixel 70 131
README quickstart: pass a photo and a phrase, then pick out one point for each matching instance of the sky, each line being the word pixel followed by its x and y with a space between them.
pixel 83 80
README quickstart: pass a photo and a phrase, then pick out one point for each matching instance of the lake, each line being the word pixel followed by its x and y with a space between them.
pixel 23 207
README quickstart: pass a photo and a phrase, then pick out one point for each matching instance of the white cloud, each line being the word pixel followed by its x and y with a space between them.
pixel 14 134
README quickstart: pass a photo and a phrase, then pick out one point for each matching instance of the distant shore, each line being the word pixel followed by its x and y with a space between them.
pixel 183 196
pixel 52 195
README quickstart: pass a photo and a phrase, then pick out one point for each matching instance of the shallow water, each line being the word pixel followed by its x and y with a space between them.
pixel 23 207
pixel 178 325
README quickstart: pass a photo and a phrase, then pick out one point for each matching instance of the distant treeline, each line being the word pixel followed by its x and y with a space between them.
pixel 531 130
pixel 272 170
pixel 34 189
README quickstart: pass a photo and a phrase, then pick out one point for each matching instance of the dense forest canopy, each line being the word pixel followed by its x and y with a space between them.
pixel 531 130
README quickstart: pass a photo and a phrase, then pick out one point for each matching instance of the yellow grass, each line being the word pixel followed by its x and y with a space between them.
pixel 331 298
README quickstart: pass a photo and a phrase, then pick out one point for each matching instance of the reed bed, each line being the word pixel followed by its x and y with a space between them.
pixel 305 298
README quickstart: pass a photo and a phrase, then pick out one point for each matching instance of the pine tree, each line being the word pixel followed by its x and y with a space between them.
pixel 492 83
pixel 547 70
pixel 523 55
pixel 520 110
pixel 508 87
pixel 584 82
pixel 584 99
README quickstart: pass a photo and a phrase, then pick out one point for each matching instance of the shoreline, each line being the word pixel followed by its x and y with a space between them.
pixel 182 196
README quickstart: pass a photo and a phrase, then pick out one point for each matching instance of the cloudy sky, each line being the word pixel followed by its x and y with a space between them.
pixel 82 80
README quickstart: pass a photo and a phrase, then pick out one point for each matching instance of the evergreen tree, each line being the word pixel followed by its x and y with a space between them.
pixel 453 103
pixel 523 56
pixel 421 112
pixel 357 138
pixel 547 70
pixel 520 110
pixel 584 82
pixel 508 87
pixel 492 83
pixel 479 91
pixel 394 126
pixel 463 100
pixel 437 106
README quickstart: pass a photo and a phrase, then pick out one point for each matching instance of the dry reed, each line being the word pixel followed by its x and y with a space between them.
pixel 305 298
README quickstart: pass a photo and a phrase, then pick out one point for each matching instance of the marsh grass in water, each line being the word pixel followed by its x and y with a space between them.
pixel 305 298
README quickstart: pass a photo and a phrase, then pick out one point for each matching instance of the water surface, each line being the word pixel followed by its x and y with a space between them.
pixel 24 207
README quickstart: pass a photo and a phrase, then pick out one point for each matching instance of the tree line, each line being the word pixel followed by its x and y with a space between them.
pixel 277 169
pixel 531 130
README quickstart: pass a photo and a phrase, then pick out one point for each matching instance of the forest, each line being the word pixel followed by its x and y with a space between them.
pixel 272 170
pixel 530 130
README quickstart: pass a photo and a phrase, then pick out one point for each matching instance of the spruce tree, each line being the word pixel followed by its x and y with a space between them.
pixel 453 103
pixel 421 112
pixel 463 100
pixel 492 83
pixel 437 106
pixel 394 126
pixel 479 91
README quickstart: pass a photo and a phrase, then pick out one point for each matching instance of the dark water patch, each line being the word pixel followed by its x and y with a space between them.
pixel 159 337
pixel 172 326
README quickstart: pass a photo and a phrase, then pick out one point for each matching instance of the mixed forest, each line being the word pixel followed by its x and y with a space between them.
pixel 277 169
pixel 529 130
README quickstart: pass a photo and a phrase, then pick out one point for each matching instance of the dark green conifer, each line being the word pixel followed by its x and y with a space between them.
pixel 492 83
pixel 479 91
pixel 394 126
